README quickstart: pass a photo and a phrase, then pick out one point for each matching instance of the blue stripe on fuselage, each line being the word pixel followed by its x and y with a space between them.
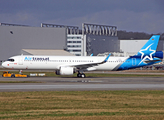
pixel 133 62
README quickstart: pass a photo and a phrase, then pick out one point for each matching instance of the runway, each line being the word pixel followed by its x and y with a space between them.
pixel 78 84
pixel 67 87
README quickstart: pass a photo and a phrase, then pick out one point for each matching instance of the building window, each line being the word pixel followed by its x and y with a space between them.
pixel 73 41
pixel 74 50
pixel 73 37
pixel 73 45
pixel 69 41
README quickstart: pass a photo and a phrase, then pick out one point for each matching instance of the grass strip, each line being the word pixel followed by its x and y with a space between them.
pixel 80 104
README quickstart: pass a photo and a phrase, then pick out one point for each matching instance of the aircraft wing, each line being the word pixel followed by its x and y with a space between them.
pixel 84 66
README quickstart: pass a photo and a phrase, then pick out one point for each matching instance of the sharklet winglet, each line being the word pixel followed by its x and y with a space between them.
pixel 106 59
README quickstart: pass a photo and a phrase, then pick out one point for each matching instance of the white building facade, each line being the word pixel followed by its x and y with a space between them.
pixel 75 44
pixel 92 39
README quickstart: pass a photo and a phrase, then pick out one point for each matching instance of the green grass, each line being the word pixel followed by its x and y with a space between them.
pixel 82 105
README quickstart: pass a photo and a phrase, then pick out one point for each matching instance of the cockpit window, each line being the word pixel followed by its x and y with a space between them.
pixel 11 60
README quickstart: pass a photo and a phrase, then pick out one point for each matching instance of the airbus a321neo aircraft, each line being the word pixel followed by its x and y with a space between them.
pixel 67 65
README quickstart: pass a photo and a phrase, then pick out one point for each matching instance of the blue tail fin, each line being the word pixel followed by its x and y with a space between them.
pixel 150 46
pixel 147 52
pixel 146 56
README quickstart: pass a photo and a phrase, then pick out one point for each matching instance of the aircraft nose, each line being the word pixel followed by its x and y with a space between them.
pixel 4 64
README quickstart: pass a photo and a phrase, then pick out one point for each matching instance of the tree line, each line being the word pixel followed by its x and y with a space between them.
pixel 122 35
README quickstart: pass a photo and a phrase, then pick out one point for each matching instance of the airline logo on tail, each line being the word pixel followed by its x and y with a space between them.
pixel 147 53
pixel 149 49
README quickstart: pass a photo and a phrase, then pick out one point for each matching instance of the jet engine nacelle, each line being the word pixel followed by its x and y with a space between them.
pixel 65 71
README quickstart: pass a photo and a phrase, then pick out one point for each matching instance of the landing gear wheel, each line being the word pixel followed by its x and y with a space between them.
pixel 83 75
pixel 78 75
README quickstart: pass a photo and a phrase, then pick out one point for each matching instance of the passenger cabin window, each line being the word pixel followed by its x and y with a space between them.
pixel 11 60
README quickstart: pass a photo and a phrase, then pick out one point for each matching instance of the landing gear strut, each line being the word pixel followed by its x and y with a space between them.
pixel 82 75
pixel 20 71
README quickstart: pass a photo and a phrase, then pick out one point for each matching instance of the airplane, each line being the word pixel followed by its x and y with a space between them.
pixel 68 65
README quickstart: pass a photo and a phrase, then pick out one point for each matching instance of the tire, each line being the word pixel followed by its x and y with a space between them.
pixel 78 75
pixel 13 76
pixel 83 75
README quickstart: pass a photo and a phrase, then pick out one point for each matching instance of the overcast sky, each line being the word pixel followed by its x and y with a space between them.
pixel 130 15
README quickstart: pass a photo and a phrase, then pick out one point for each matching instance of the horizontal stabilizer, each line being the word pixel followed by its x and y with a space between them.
pixel 149 61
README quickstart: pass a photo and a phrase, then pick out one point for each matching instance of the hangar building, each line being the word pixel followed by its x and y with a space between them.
pixel 18 39
pixel 14 38
pixel 92 39
pixel 126 46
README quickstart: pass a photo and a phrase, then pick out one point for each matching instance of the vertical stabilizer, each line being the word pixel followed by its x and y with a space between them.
pixel 149 49
pixel 150 46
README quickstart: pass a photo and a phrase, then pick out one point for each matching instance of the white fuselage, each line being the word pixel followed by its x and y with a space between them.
pixel 55 62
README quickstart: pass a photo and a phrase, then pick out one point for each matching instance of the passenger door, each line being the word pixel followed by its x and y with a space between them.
pixel 20 60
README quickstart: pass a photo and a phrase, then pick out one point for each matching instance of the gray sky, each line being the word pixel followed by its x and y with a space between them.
pixel 130 15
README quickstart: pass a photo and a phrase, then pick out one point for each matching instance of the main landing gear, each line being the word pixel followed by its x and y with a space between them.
pixel 82 75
